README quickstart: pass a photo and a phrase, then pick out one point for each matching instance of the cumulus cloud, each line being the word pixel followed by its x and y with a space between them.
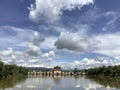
pixel 49 43
pixel 49 55
pixel 6 52
pixel 32 55
pixel 73 42
pixel 34 44
pixel 109 44
pixel 86 63
pixel 24 59
pixel 12 57
pixel 51 10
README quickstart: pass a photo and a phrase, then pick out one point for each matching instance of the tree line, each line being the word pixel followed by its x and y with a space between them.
pixel 12 71
pixel 112 71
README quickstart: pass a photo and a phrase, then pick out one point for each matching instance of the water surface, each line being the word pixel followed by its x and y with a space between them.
pixel 60 83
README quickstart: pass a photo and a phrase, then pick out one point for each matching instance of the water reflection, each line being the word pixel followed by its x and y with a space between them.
pixel 107 81
pixel 10 83
pixel 61 83
pixel 57 80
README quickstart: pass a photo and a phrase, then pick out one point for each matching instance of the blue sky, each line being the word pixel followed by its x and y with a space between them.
pixel 71 33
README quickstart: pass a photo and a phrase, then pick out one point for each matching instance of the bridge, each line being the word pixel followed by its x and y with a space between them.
pixel 55 72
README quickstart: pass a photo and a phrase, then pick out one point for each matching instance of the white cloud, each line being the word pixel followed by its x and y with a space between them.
pixel 34 44
pixel 49 43
pixel 6 52
pixel 49 55
pixel 109 44
pixel 13 57
pixel 30 55
pixel 33 61
pixel 86 63
pixel 14 37
pixel 92 15
pixel 25 59
pixel 112 23
pixel 51 10
pixel 73 42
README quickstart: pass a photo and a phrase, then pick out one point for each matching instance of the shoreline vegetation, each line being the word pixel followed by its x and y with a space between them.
pixel 10 82
pixel 12 71
pixel 109 71
pixel 10 75
pixel 113 82
pixel 103 71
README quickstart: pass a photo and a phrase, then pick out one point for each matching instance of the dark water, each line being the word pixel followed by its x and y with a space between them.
pixel 61 83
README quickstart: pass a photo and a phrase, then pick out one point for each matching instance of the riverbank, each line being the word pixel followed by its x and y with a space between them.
pixel 12 71
pixel 111 71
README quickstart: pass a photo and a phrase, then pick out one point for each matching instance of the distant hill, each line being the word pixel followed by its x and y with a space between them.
pixel 44 69
pixel 39 69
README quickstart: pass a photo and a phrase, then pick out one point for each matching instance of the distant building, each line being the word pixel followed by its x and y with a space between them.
pixel 57 70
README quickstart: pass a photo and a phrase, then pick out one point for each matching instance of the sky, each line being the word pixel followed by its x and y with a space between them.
pixel 69 33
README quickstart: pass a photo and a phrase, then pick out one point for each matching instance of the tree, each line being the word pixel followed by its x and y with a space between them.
pixel 12 70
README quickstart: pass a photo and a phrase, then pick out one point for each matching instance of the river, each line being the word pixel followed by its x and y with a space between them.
pixel 61 83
